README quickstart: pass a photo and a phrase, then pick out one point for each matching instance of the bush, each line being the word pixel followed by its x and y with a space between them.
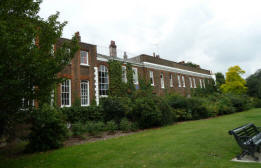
pixel 126 125
pixel 224 105
pixel 78 129
pixel 182 114
pixel 257 103
pixel 48 129
pixel 239 102
pixel 115 108
pixel 77 114
pixel 95 128
pixel 111 126
pixel 195 106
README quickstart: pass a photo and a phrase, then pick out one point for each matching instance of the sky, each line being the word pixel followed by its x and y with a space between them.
pixel 216 34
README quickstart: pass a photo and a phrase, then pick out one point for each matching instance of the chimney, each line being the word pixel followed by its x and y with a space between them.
pixel 113 49
pixel 125 56
pixel 154 54
pixel 77 34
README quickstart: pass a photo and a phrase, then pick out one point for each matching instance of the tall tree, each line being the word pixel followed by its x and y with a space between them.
pixel 234 84
pixel 28 64
pixel 220 79
pixel 254 84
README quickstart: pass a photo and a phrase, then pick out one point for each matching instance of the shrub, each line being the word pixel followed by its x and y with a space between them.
pixel 48 129
pixel 182 114
pixel 257 103
pixel 177 101
pixel 111 126
pixel 95 128
pixel 195 105
pixel 225 105
pixel 78 129
pixel 126 125
pixel 239 102
pixel 115 108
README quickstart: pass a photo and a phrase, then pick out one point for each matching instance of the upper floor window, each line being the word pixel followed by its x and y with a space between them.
pixel 152 78
pixel 135 76
pixel 194 82
pixel 190 82
pixel 103 80
pixel 183 81
pixel 84 93
pixel 124 74
pixel 84 58
pixel 66 93
pixel 179 82
pixel 162 80
pixel 170 80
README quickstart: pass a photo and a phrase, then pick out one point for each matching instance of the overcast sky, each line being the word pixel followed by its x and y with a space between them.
pixel 215 34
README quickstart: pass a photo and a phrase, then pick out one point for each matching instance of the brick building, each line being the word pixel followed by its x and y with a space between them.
pixel 88 77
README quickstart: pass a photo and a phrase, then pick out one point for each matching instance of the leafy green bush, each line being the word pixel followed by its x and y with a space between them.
pixel 224 105
pixel 195 105
pixel 95 128
pixel 257 103
pixel 182 114
pixel 78 129
pixel 111 126
pixel 115 108
pixel 48 129
pixel 77 114
pixel 126 125
pixel 239 102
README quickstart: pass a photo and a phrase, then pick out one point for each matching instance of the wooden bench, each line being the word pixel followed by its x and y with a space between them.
pixel 248 138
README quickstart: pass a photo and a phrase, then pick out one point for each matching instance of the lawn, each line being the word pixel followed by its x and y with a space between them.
pixel 194 144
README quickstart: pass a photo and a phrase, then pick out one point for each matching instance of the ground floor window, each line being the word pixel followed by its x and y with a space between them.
pixel 66 93
pixel 85 93
pixel 103 80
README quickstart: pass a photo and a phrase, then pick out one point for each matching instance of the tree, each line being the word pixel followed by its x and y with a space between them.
pixel 234 84
pixel 254 84
pixel 28 64
pixel 220 80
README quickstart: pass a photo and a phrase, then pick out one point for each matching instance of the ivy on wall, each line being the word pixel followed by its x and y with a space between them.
pixel 130 85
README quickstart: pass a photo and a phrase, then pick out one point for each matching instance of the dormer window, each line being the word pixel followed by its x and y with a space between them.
pixel 84 58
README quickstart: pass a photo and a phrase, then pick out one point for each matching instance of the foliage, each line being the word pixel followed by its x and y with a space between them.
pixel 220 80
pixel 145 85
pixel 77 114
pixel 48 129
pixel 115 108
pixel 239 102
pixel 111 126
pixel 28 67
pixel 254 84
pixel 116 87
pixel 78 129
pixel 195 106
pixel 130 84
pixel 95 128
pixel 234 84
pixel 190 64
pixel 125 125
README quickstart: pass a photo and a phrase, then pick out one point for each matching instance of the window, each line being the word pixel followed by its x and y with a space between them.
pixel 84 57
pixel 204 86
pixel 183 81
pixel 135 76
pixel 151 78
pixel 124 74
pixel 190 82
pixel 194 81
pixel 162 80
pixel 170 80
pixel 179 82
pixel 200 83
pixel 52 49
pixel 66 93
pixel 103 81
pixel 84 93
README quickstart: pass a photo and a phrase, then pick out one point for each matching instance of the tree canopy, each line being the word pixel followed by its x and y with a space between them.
pixel 234 83
pixel 28 64
pixel 220 79
pixel 254 84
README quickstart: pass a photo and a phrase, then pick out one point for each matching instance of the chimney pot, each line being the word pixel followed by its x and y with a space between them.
pixel 77 34
pixel 125 56
pixel 113 49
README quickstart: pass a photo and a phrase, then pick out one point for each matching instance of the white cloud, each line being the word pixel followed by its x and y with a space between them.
pixel 215 34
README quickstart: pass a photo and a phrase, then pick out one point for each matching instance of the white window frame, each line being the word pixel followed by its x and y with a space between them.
pixel 124 74
pixel 162 84
pixel 135 76
pixel 183 81
pixel 194 82
pixel 170 80
pixel 179 82
pixel 84 54
pixel 190 82
pixel 85 93
pixel 204 86
pixel 67 92
pixel 152 78
pixel 200 83
pixel 103 70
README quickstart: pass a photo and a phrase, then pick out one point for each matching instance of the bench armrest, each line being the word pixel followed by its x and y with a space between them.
pixel 259 129
pixel 245 138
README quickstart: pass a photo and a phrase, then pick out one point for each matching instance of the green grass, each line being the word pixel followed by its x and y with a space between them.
pixel 203 143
